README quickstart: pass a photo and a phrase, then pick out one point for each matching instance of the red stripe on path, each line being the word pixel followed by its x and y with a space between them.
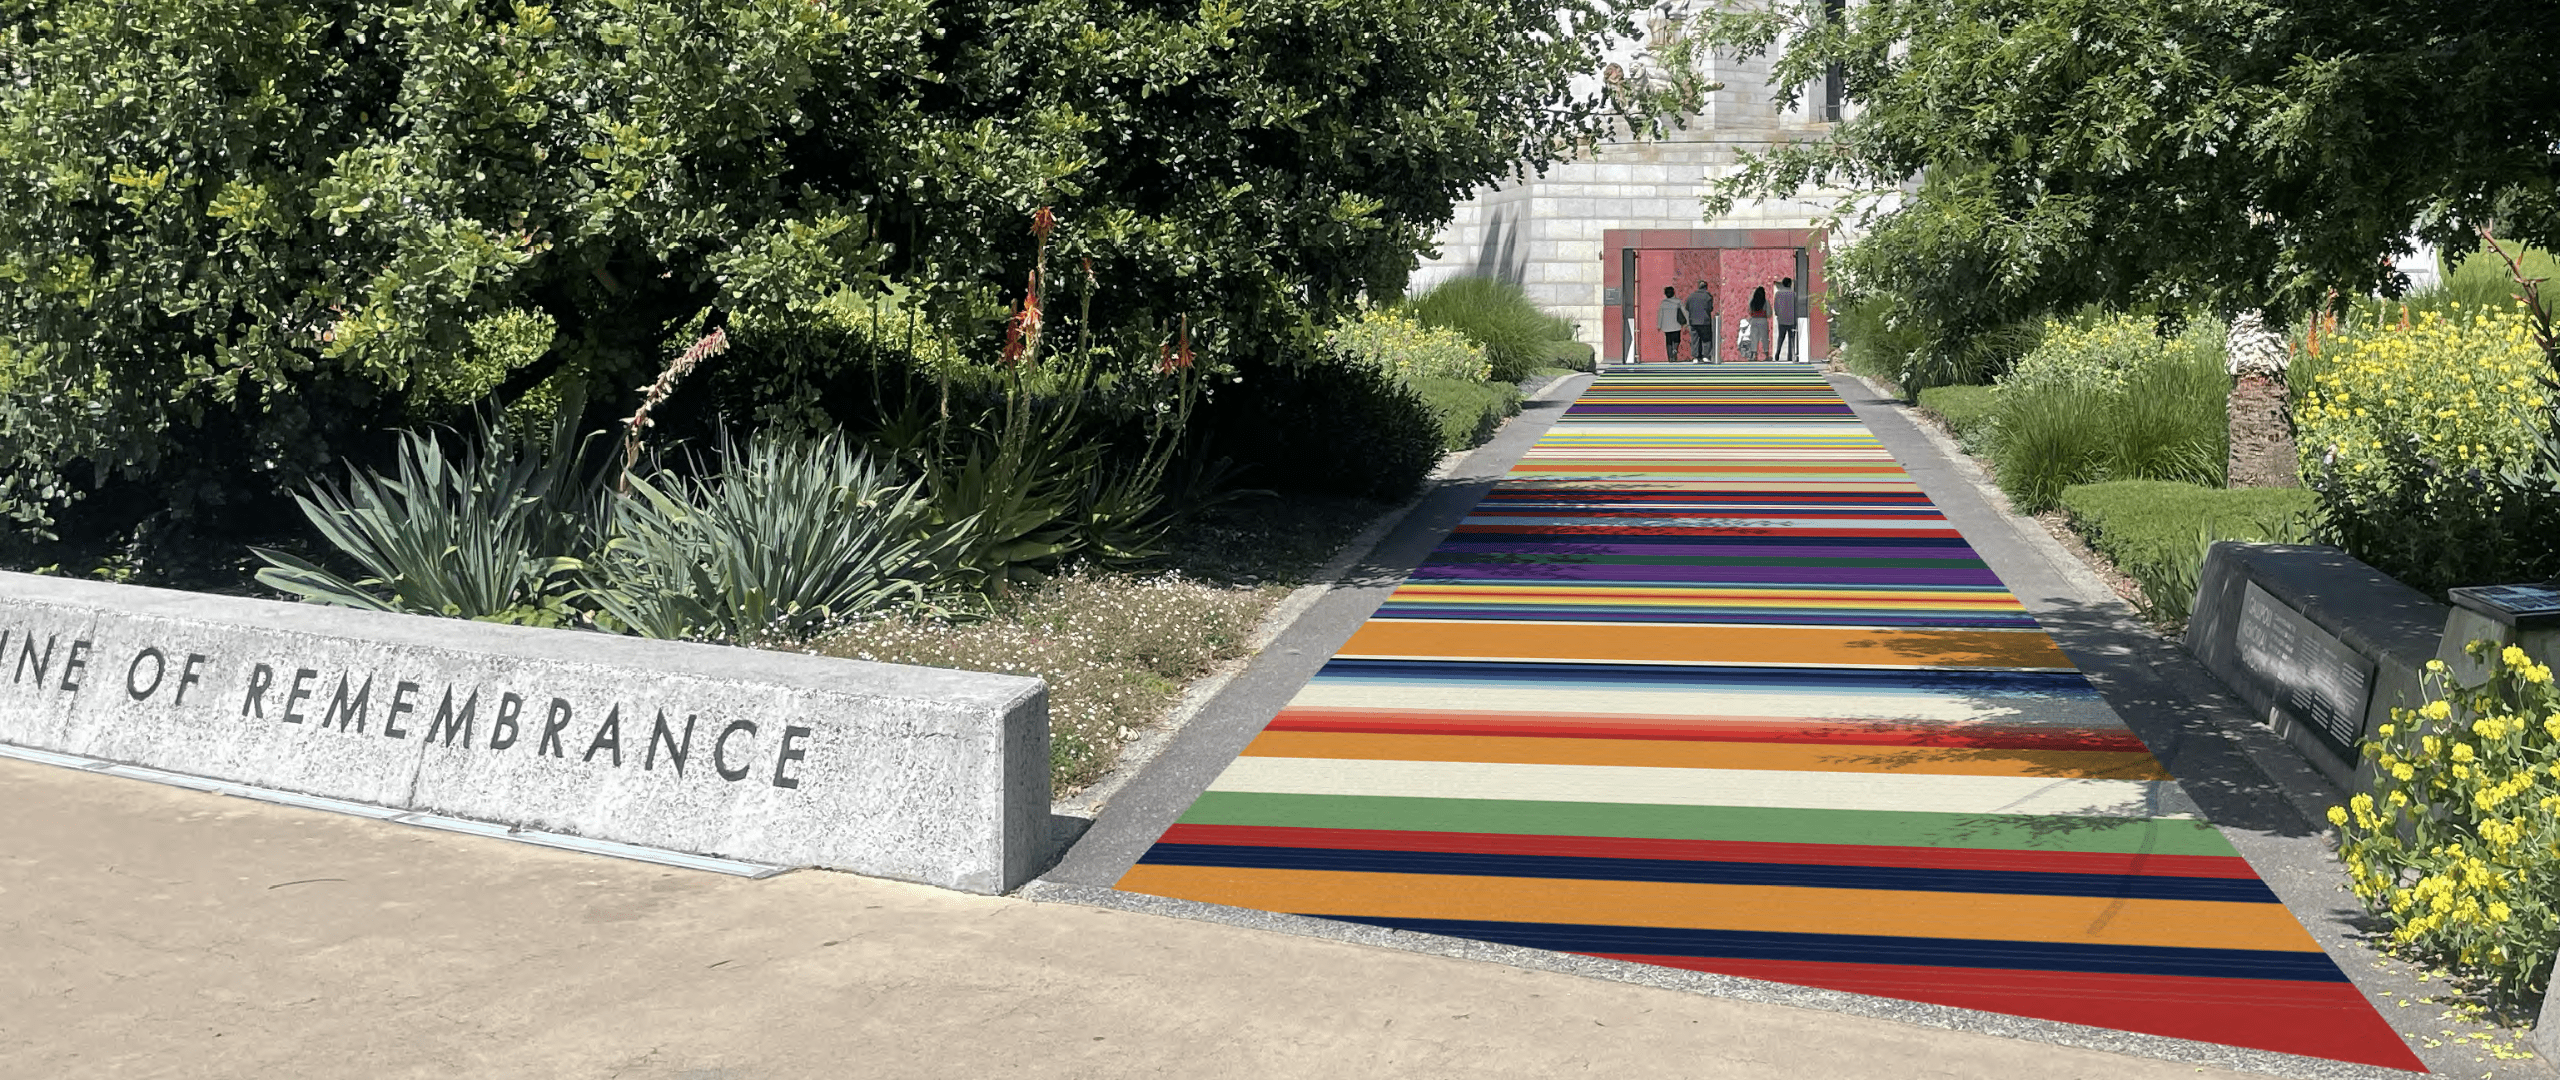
pixel 2315 1019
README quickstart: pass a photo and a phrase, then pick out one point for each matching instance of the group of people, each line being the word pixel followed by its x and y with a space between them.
pixel 1759 329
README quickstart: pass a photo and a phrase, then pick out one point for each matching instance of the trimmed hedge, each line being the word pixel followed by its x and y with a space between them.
pixel 1571 354
pixel 1467 410
pixel 1969 410
pixel 2157 531
pixel 1342 428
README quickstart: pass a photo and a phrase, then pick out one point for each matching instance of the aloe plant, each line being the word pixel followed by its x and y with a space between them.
pixel 494 535
pixel 794 535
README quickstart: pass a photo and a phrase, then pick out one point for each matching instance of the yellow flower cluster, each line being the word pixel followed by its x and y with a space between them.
pixel 2459 390
pixel 2096 355
pixel 2458 847
pixel 1399 345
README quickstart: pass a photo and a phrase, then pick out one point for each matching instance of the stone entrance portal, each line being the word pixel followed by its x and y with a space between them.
pixel 1638 263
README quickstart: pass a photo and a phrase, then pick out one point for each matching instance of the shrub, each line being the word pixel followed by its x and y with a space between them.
pixel 2112 401
pixel 495 535
pixel 1394 342
pixel 1467 411
pixel 2089 356
pixel 2157 531
pixel 793 536
pixel 2457 848
pixel 1339 428
pixel 1494 314
pixel 1571 355
pixel 1970 411
pixel 2416 440
pixel 1866 339
pixel 1442 367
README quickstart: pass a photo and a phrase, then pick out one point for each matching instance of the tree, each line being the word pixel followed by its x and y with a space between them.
pixel 238 235
pixel 2213 154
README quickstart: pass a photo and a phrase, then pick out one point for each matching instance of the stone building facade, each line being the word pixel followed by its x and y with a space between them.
pixel 1595 239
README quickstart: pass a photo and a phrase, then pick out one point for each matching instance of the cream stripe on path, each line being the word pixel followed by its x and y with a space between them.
pixel 1765 788
pixel 1404 692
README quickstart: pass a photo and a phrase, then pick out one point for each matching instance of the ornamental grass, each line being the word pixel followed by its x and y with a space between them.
pixel 2457 848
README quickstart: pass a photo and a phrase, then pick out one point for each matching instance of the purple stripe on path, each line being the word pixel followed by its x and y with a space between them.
pixel 1955 551
pixel 1734 575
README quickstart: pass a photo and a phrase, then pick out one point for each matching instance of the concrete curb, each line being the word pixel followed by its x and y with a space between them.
pixel 1302 633
pixel 1134 759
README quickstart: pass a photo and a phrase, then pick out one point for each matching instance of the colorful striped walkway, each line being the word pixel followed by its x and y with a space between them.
pixel 1707 682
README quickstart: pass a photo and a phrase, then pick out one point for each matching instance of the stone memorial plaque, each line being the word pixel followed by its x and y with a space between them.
pixel 2314 677
pixel 2518 605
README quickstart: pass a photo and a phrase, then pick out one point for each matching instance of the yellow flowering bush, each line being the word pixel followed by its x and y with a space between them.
pixel 1401 346
pixel 2413 435
pixel 2095 355
pixel 2458 388
pixel 2457 848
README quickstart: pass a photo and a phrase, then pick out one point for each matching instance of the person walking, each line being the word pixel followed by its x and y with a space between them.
pixel 1669 320
pixel 1785 338
pixel 1701 306
pixel 1755 324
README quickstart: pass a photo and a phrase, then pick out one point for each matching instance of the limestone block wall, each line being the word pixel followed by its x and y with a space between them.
pixel 1545 232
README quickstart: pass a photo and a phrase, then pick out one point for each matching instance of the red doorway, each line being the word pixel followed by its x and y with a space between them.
pixel 1639 263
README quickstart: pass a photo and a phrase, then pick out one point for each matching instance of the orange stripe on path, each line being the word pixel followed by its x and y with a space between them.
pixel 2195 924
pixel 1640 643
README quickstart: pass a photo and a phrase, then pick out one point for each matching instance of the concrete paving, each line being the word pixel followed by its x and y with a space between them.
pixel 148 931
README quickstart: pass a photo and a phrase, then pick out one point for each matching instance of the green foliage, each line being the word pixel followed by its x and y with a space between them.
pixel 2191 154
pixel 1972 412
pixel 1394 342
pixel 1497 316
pixel 1444 368
pixel 495 535
pixel 1336 428
pixel 1468 411
pixel 2457 848
pixel 245 223
pixel 2158 531
pixel 791 537
pixel 258 229
pixel 2422 444
pixel 2483 281
pixel 2112 401
pixel 1571 355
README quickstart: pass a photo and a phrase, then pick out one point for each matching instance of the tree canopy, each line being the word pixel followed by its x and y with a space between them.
pixel 2214 154
pixel 256 229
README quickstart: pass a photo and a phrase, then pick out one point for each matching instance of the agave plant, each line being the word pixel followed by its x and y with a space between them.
pixel 495 535
pixel 794 535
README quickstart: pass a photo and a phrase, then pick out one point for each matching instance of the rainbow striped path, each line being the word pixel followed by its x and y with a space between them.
pixel 1707 682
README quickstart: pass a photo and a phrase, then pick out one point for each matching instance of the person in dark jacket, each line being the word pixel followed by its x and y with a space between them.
pixel 1701 306
pixel 1785 338
pixel 1669 320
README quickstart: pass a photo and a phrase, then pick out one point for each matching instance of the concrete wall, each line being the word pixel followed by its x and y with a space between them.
pixel 1544 232
pixel 913 773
